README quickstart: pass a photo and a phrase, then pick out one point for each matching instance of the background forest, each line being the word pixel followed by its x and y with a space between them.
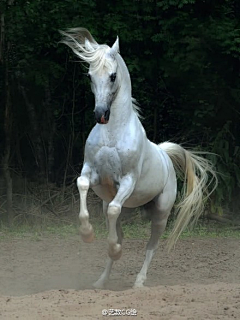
pixel 184 61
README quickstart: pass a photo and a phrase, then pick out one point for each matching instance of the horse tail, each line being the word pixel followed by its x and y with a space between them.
pixel 195 172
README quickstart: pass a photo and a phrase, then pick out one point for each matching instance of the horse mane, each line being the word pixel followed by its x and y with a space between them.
pixel 136 108
pixel 86 48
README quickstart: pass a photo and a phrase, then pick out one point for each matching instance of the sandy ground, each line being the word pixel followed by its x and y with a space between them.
pixel 51 279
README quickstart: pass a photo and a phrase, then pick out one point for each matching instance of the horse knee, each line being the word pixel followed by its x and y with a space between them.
pixel 83 183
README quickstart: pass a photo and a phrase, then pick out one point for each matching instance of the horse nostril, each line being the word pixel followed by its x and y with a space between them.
pixel 106 114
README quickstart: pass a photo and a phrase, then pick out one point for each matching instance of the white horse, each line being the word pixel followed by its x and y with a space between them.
pixel 123 167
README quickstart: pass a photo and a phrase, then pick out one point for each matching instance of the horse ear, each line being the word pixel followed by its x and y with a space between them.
pixel 114 49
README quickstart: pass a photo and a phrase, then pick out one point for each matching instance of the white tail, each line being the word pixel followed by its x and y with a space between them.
pixel 195 172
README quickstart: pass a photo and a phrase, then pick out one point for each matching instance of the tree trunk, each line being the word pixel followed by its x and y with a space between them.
pixel 51 127
pixel 7 124
pixel 36 133
pixel 155 124
pixel 7 151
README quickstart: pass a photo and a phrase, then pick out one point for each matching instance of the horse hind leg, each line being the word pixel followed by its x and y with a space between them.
pixel 158 225
pixel 159 211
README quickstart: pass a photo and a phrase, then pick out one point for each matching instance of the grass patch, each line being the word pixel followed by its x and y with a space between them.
pixel 202 230
pixel 138 230
pixel 207 229
pixel 36 232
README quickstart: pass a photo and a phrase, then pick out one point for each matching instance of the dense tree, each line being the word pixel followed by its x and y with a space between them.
pixel 184 60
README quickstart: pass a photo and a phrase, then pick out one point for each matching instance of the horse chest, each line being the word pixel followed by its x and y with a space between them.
pixel 107 164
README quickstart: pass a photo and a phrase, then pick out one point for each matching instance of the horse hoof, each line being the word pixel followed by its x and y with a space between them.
pixel 88 238
pixel 99 285
pixel 115 252
pixel 138 285
pixel 87 235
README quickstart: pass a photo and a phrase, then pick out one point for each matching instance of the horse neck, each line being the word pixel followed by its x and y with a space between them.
pixel 121 110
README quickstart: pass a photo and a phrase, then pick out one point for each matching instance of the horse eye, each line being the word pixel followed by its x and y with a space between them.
pixel 88 75
pixel 113 77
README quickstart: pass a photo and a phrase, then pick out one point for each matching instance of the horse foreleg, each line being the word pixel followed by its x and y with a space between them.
pixel 86 229
pixel 114 209
pixel 102 281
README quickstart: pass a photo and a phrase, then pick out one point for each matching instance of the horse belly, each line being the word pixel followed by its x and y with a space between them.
pixel 155 172
pixel 143 193
pixel 107 192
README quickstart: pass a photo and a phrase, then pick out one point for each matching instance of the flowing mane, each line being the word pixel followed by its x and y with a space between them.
pixel 87 49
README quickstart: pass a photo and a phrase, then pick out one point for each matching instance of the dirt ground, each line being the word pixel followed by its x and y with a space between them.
pixel 51 279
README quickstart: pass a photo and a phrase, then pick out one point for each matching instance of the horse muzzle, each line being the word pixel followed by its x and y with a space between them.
pixel 102 115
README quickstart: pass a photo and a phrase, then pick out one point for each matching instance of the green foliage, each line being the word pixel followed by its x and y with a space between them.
pixel 184 61
pixel 226 158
